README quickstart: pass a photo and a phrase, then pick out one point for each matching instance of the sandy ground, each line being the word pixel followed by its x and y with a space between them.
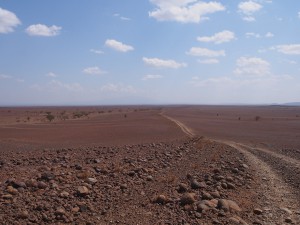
pixel 150 165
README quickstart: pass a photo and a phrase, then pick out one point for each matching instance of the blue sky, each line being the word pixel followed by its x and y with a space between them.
pixel 149 52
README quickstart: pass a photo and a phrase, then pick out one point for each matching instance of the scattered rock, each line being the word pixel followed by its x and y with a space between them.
pixel 83 191
pixel 258 211
pixel 160 199
pixel 187 198
pixel 182 188
pixel 24 214
pixel 228 205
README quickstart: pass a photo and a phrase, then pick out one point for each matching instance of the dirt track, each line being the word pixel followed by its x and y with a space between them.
pixel 279 176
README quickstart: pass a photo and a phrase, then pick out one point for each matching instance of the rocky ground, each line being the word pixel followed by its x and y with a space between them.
pixel 190 181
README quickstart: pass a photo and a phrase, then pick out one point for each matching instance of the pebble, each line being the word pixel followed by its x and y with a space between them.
pixel 160 199
pixel 187 198
pixel 24 214
pixel 92 180
pixel 228 205
pixel 182 188
pixel 41 185
pixel 12 190
pixel 258 211
pixel 83 191
pixel 195 184
pixel 288 220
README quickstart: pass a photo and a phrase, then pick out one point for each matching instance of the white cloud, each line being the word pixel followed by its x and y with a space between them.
pixel 51 74
pixel 8 21
pixel 292 49
pixel 248 8
pixel 218 38
pixel 3 76
pixel 184 11
pixel 299 14
pixel 121 17
pixel 95 70
pixel 156 62
pixel 96 51
pixel 118 88
pixel 209 61
pixel 269 35
pixel 20 80
pixel 55 85
pixel 256 35
pixel 118 46
pixel 249 18
pixel 151 77
pixel 43 30
pixel 252 66
pixel 204 52
pixel 253 35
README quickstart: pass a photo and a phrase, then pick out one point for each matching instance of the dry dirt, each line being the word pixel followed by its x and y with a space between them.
pixel 150 165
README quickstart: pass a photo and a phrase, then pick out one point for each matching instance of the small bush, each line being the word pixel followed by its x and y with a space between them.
pixel 50 117
pixel 257 118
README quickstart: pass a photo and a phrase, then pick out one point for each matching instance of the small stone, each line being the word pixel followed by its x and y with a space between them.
pixel 19 184
pixel 123 186
pixel 224 185
pixel 131 173
pixel 160 199
pixel 12 190
pixel 257 211
pixel 41 185
pixel 60 212
pixel 235 170
pixel 230 185
pixel 64 194
pixel 78 167
pixel 182 188
pixel 287 210
pixel 149 178
pixel 187 198
pixel 75 209
pixel 215 194
pixel 47 176
pixel 7 196
pixel 195 184
pixel 24 214
pixel 245 166
pixel 228 205
pixel 288 220
pixel 198 215
pixel 83 191
pixel 206 196
pixel 92 180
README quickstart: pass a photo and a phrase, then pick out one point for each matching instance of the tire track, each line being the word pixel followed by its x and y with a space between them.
pixel 279 199
pixel 188 131
pixel 277 194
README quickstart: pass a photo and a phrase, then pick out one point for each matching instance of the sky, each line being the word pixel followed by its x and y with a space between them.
pixel 97 52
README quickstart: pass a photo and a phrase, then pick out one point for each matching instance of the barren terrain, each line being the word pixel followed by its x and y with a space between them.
pixel 150 165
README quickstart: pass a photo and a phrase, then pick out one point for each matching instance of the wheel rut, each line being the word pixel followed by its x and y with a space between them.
pixel 279 179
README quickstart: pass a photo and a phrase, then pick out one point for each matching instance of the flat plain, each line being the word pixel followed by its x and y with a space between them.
pixel 150 165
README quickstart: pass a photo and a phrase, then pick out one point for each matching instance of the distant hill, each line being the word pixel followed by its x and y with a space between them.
pixel 293 104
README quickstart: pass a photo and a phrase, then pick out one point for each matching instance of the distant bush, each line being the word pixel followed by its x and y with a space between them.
pixel 80 114
pixel 50 117
pixel 257 118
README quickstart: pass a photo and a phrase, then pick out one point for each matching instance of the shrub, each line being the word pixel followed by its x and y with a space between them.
pixel 257 118
pixel 50 117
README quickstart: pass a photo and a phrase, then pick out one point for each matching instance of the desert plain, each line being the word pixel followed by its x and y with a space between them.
pixel 150 165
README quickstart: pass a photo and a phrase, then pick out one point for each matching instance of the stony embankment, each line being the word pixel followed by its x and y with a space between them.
pixel 191 181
